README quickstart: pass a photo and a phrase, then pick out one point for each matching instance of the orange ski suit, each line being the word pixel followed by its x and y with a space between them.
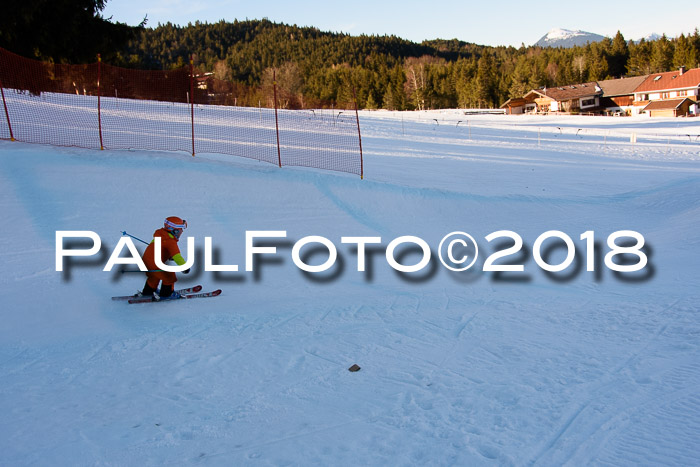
pixel 169 250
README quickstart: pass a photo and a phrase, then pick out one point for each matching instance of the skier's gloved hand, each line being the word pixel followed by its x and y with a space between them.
pixel 186 271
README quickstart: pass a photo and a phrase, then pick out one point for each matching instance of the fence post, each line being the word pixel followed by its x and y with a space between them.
pixel 277 128
pixel 99 95
pixel 192 99
pixel 7 115
pixel 359 135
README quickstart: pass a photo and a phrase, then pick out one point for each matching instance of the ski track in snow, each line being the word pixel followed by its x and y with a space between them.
pixel 457 369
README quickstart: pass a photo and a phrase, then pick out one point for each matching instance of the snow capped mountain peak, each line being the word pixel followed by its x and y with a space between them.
pixel 560 33
pixel 560 37
pixel 650 37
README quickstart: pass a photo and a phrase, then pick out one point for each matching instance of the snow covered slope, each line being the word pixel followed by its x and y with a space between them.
pixel 465 368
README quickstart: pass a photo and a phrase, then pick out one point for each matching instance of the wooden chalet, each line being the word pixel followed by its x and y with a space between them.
pixel 519 105
pixel 575 98
pixel 618 94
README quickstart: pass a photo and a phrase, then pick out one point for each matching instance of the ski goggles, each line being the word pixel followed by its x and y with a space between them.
pixel 174 225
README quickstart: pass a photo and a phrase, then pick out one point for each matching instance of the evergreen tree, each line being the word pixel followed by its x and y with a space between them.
pixel 519 84
pixel 371 102
pixel 695 40
pixel 684 53
pixel 598 63
pixel 389 101
pixel 485 81
pixel 662 55
pixel 618 57
pixel 640 58
pixel 66 31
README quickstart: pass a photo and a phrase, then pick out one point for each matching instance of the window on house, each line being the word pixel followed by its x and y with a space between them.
pixel 682 93
pixel 587 102
pixel 664 95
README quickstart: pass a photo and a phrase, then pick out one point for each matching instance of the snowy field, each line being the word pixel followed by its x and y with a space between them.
pixel 474 368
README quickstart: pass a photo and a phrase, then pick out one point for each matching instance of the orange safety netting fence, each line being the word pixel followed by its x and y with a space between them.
pixel 99 106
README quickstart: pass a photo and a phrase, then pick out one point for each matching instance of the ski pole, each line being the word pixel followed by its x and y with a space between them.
pixel 129 235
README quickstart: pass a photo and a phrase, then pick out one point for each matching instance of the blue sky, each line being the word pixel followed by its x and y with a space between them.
pixel 508 22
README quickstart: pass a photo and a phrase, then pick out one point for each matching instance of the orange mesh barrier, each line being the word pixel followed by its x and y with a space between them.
pixel 145 109
pixel 101 106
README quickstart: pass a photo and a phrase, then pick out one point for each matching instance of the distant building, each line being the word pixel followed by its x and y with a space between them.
pixel 618 94
pixel 673 85
pixel 519 105
pixel 673 93
pixel 202 80
pixel 679 107
pixel 575 98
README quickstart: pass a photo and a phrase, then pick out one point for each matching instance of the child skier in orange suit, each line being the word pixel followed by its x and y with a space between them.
pixel 169 235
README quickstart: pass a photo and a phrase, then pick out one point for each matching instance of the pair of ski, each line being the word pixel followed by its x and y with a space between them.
pixel 190 292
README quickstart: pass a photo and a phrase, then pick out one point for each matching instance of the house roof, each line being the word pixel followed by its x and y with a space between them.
pixel 668 104
pixel 622 86
pixel 514 102
pixel 670 80
pixel 568 92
